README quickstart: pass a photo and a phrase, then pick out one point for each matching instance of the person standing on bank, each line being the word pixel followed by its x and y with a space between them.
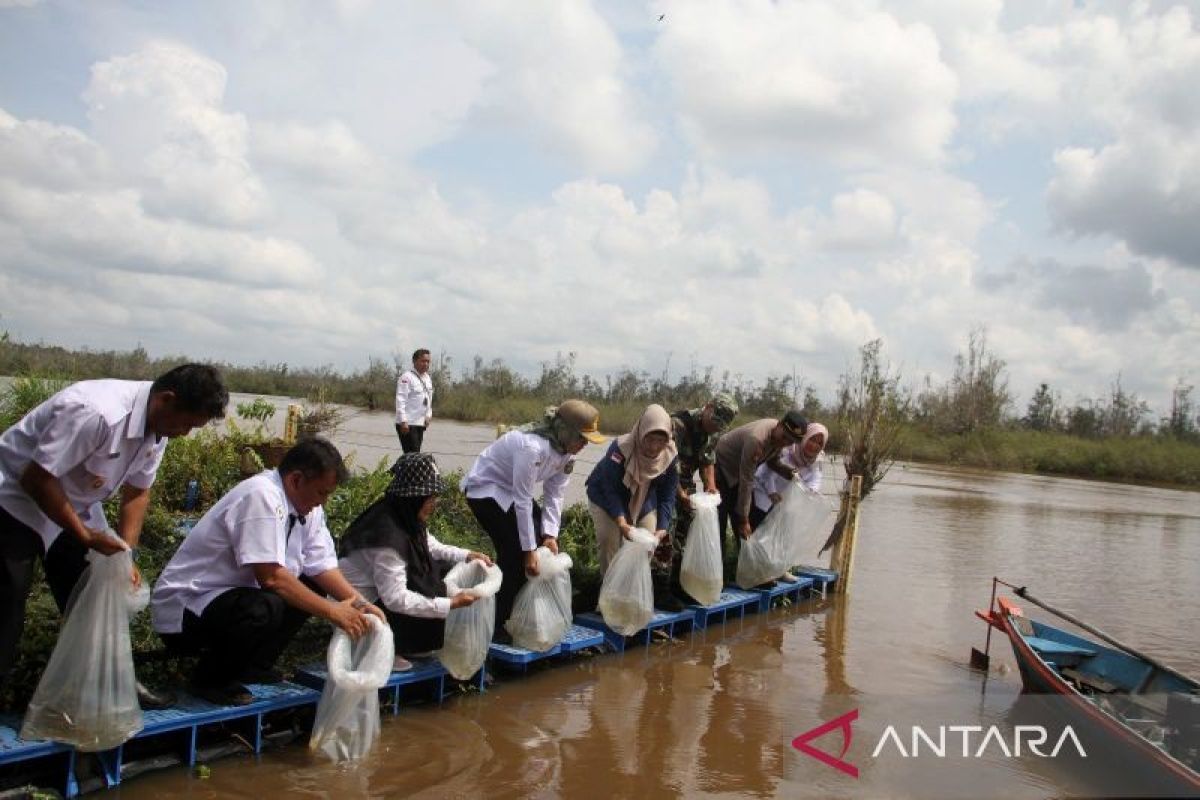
pixel 414 402
pixel 500 487
pixel 740 452
pixel 252 570
pixel 64 458
pixel 634 484
pixel 390 558
pixel 696 434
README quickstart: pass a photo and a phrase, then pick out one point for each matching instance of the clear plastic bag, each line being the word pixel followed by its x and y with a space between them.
pixel 541 613
pixel 809 520
pixel 701 571
pixel 627 594
pixel 469 629
pixel 773 548
pixel 87 696
pixel 347 722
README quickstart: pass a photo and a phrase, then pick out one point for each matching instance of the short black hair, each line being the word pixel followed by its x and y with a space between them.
pixel 313 457
pixel 198 389
pixel 418 353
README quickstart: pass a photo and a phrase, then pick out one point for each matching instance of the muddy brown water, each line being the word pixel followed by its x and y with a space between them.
pixel 713 714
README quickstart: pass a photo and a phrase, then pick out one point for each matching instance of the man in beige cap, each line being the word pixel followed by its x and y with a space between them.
pixel 501 484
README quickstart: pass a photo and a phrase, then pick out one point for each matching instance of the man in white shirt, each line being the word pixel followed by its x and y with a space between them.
pixel 500 489
pixel 252 570
pixel 414 402
pixel 74 451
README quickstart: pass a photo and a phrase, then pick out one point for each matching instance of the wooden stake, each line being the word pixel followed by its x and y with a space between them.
pixel 842 560
pixel 292 425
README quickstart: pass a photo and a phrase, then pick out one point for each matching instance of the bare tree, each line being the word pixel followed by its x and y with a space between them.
pixel 872 411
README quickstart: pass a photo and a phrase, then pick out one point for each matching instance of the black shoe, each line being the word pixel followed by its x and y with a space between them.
pixel 231 694
pixel 260 675
pixel 151 700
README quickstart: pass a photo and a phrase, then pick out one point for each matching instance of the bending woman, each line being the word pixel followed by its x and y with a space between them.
pixel 634 484
pixel 390 557
pixel 803 459
pixel 501 485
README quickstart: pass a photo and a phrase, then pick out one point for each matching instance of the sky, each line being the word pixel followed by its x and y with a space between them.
pixel 760 187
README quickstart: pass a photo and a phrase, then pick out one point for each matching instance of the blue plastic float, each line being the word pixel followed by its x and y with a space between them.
pixel 662 620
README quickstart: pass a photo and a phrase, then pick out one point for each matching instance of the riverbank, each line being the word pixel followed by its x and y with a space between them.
pixel 1141 460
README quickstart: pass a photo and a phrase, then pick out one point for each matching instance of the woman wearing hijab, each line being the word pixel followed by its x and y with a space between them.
pixel 391 558
pixel 634 485
pixel 500 489
pixel 803 458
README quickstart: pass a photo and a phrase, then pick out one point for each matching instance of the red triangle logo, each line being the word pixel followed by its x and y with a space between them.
pixel 842 723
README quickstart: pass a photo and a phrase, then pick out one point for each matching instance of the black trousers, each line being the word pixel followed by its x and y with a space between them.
pixel 241 629
pixel 501 528
pixel 20 549
pixel 757 515
pixel 726 513
pixel 415 634
pixel 411 442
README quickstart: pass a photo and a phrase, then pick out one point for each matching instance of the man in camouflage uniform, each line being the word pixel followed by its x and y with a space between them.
pixel 696 432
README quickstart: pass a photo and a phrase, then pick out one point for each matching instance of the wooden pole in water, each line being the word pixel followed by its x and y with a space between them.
pixel 842 560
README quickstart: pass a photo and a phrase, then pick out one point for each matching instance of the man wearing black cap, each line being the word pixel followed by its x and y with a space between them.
pixel 739 453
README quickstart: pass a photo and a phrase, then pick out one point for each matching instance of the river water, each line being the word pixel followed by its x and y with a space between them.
pixel 713 714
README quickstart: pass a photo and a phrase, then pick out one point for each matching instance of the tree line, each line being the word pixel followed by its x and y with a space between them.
pixel 975 398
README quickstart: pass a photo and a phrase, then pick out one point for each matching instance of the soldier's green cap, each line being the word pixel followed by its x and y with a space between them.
pixel 725 408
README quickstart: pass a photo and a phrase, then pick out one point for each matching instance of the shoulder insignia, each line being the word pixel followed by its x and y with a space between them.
pixel 569 467
pixel 618 457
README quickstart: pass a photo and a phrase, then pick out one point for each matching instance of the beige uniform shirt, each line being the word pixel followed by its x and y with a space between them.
pixel 739 452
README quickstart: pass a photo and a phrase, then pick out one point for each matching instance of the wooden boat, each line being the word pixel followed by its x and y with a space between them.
pixel 1140 710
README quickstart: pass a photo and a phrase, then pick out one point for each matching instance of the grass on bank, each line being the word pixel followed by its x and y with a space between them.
pixel 1141 459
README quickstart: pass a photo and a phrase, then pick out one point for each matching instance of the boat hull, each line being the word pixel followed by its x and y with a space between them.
pixel 1152 771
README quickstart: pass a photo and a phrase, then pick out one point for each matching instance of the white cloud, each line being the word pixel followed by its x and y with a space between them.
pixel 750 185
pixel 836 80
pixel 557 70
pixel 328 152
pixel 51 156
pixel 111 229
pixel 1145 189
pixel 859 220
pixel 414 221
pixel 158 112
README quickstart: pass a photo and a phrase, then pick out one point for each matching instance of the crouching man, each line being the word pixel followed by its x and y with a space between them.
pixel 252 570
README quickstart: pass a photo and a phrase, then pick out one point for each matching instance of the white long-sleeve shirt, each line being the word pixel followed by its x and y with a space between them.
pixel 92 437
pixel 507 472
pixel 414 398
pixel 768 482
pixel 254 523
pixel 379 573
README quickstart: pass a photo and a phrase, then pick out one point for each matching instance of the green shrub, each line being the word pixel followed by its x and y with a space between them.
pixel 25 394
